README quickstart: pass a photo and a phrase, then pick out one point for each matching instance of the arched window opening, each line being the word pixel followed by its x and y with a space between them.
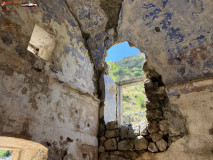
pixel 21 149
pixel 125 68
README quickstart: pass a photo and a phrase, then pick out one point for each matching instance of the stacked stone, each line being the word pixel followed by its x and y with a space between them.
pixel 156 105
pixel 127 143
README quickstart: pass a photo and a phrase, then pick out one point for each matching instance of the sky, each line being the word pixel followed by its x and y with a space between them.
pixel 117 52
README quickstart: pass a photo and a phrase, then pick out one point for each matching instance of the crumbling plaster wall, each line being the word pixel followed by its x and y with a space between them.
pixel 175 35
pixel 72 63
pixel 50 102
pixel 194 101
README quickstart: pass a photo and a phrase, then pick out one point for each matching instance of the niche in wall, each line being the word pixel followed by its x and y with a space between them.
pixel 41 43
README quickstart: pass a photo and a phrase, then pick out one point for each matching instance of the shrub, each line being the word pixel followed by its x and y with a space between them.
pixel 125 97
pixel 141 101
pixel 5 153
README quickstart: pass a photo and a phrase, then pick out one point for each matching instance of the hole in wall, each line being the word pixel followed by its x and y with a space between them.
pixel 157 29
pixel 125 68
pixel 156 135
pixel 41 43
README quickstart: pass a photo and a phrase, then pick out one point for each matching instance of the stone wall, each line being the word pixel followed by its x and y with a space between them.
pixel 165 126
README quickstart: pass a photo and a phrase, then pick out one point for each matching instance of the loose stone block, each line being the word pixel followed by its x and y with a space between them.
pixel 151 105
pixel 156 136
pixel 140 143
pixel 125 145
pixel 110 144
pixel 153 127
pixel 101 149
pixel 152 147
pixel 162 145
pixel 132 133
pixel 163 126
pixel 104 156
pixel 102 139
pixel 112 125
pixel 112 133
pixel 123 132
pixel 154 114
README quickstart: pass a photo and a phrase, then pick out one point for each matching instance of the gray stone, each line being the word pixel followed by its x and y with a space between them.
pixel 154 114
pixel 153 127
pixel 110 144
pixel 101 149
pixel 156 137
pixel 123 132
pixel 125 145
pixel 112 133
pixel 140 143
pixel 152 147
pixel 112 125
pixel 163 126
pixel 132 133
pixel 162 145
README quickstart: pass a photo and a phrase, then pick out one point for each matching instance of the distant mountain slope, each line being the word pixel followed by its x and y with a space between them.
pixel 127 68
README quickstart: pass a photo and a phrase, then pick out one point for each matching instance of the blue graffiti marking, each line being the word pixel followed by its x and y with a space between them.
pixel 200 37
pixel 166 22
pixel 175 34
pixel 155 12
pixel 147 6
pixel 164 3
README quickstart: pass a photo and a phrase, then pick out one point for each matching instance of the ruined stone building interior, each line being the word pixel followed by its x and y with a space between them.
pixel 57 101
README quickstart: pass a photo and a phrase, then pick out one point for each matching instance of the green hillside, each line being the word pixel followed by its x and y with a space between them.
pixel 134 109
pixel 127 68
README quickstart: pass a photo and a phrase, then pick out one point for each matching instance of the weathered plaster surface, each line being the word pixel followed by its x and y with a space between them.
pixel 175 35
pixel 110 101
pixel 72 63
pixel 54 103
pixel 37 107
pixel 194 100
